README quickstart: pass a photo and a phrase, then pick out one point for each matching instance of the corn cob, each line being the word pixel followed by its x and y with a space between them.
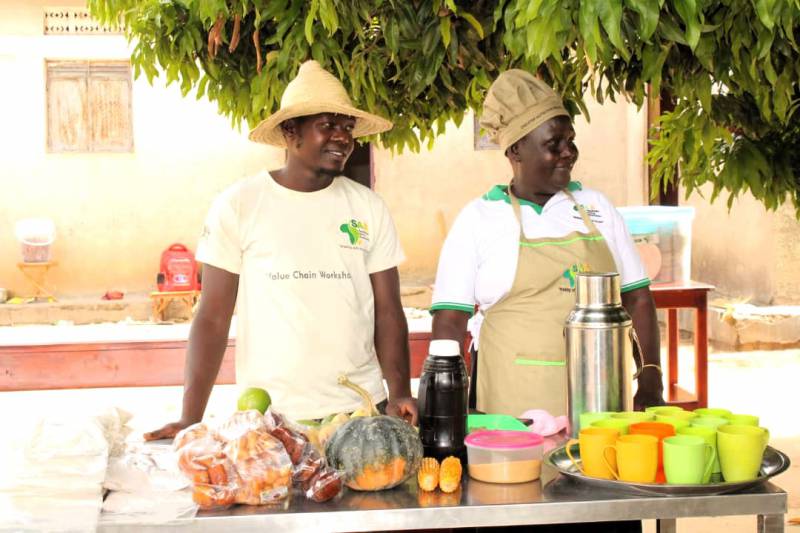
pixel 428 474
pixel 450 474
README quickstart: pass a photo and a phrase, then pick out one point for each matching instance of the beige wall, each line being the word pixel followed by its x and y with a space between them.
pixel 749 254
pixel 115 213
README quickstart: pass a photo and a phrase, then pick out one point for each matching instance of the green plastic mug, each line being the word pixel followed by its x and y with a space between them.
pixel 741 450
pixel 663 409
pixel 675 422
pixel 709 435
pixel 586 419
pixel 709 421
pixel 742 420
pixel 635 416
pixel 712 411
pixel 688 460
pixel 620 424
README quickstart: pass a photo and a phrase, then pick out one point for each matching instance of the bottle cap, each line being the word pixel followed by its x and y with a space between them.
pixel 444 348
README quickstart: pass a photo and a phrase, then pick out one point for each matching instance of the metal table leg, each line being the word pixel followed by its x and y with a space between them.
pixel 770 523
pixel 666 525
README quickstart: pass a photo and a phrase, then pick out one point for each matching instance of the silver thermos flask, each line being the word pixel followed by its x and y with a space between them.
pixel 600 337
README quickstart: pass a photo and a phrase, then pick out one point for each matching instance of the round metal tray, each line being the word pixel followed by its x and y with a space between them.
pixel 773 463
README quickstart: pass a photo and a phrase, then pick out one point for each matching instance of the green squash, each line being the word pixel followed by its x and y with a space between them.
pixel 374 452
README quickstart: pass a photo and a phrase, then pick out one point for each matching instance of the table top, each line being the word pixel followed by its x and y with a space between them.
pixel 553 499
pixel 681 286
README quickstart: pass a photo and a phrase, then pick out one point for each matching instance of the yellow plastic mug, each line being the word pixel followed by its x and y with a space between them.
pixel 636 457
pixel 592 442
pixel 741 449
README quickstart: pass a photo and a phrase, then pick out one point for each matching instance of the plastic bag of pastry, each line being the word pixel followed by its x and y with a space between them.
pixel 214 479
pixel 239 423
pixel 325 485
pixel 308 466
pixel 187 435
pixel 263 468
pixel 296 443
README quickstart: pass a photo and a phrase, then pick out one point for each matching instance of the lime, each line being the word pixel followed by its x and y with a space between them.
pixel 254 398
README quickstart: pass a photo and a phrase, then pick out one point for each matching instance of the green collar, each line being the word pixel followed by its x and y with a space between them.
pixel 500 192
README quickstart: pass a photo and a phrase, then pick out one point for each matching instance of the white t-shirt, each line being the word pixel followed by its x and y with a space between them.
pixel 478 261
pixel 305 308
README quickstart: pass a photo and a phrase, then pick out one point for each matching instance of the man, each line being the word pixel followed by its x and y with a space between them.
pixel 310 259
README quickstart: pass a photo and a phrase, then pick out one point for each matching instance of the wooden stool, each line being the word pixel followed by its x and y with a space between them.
pixel 36 274
pixel 162 299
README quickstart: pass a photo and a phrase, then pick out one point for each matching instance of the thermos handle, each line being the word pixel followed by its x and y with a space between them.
pixel 637 349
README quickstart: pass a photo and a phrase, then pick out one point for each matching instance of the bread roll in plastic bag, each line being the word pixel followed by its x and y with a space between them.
pixel 263 467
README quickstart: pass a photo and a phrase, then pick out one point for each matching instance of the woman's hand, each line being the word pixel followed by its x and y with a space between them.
pixel 651 389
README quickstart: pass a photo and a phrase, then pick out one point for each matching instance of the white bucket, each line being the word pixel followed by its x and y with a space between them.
pixel 35 236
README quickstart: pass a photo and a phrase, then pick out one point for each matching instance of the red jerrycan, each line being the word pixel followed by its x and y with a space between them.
pixel 178 270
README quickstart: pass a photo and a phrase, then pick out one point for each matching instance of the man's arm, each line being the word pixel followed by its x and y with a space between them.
pixel 391 343
pixel 208 338
pixel 639 304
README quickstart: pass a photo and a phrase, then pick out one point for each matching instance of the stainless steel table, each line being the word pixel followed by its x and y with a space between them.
pixel 554 499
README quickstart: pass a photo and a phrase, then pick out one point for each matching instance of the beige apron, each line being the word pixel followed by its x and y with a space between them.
pixel 522 353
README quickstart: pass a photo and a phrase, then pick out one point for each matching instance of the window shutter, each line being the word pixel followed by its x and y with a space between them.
pixel 110 108
pixel 67 114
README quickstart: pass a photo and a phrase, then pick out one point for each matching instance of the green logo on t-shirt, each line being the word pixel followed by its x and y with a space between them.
pixel 356 231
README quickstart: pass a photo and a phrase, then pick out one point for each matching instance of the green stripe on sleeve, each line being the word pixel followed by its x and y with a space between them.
pixel 635 285
pixel 453 306
pixel 537 362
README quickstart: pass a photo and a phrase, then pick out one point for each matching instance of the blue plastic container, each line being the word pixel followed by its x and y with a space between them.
pixel 663 237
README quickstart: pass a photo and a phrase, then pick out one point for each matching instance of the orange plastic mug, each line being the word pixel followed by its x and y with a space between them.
pixel 660 430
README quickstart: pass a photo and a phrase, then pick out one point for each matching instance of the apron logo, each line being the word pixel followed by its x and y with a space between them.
pixel 572 272
pixel 356 231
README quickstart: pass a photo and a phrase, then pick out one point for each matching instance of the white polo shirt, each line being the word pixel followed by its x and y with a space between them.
pixel 478 261
pixel 305 307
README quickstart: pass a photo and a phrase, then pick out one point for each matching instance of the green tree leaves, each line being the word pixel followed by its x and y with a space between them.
pixel 732 67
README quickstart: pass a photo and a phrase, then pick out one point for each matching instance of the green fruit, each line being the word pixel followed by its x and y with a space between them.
pixel 309 423
pixel 254 398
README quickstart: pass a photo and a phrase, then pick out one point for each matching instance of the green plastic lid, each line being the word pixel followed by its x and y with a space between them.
pixel 505 422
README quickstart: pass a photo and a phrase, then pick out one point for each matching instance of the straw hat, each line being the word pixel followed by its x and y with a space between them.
pixel 315 90
pixel 517 103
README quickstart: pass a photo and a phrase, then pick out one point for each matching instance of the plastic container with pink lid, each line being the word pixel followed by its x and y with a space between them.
pixel 499 456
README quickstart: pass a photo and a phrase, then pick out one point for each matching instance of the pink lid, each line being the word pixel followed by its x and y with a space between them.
pixel 494 439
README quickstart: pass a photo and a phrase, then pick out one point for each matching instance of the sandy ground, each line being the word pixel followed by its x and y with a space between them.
pixel 760 382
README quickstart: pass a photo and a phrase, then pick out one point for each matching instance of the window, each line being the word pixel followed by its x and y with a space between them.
pixel 481 142
pixel 89 106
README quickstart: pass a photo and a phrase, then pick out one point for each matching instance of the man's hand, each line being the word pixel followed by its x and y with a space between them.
pixel 405 408
pixel 651 390
pixel 167 432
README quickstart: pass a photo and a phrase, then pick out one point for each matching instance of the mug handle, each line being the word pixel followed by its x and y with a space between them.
pixel 610 468
pixel 574 462
pixel 710 463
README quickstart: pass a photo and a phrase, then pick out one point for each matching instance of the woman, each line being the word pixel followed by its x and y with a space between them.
pixel 514 254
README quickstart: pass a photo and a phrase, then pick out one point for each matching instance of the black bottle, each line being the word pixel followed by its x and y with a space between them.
pixel 442 403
